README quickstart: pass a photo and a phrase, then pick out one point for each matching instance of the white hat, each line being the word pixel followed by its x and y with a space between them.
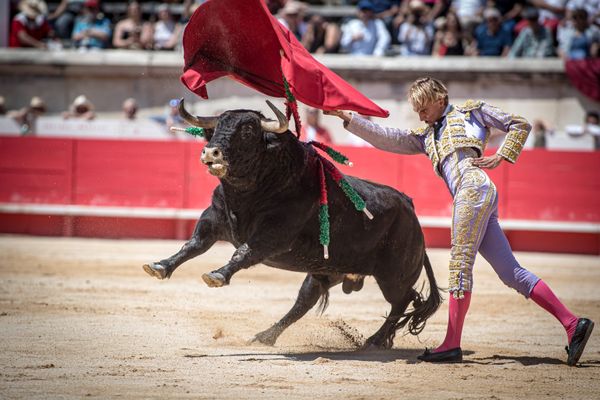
pixel 491 13
pixel 37 102
pixel 33 8
pixel 416 5
pixel 81 100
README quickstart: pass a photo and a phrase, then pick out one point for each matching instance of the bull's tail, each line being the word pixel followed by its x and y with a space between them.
pixel 422 309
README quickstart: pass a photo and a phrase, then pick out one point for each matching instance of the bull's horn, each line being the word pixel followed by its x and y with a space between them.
pixel 202 122
pixel 279 126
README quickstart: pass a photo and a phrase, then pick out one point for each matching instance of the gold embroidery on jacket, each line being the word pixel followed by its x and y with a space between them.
pixel 515 139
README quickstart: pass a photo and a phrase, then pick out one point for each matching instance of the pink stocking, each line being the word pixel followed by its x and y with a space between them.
pixel 545 298
pixel 457 310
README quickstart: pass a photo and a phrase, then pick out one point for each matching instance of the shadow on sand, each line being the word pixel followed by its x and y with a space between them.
pixel 383 356
pixel 530 360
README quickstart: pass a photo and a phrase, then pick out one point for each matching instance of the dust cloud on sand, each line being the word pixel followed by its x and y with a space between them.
pixel 79 318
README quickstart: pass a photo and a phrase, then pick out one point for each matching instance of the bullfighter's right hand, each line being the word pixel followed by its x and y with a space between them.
pixel 345 115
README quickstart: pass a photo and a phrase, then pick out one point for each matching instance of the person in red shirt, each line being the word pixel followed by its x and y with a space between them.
pixel 29 28
pixel 312 130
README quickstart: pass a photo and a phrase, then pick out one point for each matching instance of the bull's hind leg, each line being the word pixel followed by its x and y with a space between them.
pixel 313 287
pixel 205 235
pixel 399 297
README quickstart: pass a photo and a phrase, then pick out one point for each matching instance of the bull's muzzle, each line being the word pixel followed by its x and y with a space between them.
pixel 212 157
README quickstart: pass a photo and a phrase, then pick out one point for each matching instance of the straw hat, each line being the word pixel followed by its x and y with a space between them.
pixel 33 8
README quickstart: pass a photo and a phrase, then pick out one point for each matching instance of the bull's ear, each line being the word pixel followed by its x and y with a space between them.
pixel 208 134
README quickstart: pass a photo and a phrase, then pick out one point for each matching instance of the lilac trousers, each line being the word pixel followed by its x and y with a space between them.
pixel 475 228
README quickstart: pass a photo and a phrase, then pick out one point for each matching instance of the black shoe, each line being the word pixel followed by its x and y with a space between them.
pixel 578 341
pixel 448 356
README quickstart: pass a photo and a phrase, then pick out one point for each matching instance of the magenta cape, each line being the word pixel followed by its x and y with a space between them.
pixel 242 40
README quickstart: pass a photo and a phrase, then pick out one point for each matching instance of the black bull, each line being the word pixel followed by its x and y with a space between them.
pixel 267 207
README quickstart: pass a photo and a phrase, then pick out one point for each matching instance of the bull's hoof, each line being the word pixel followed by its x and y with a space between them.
pixel 266 338
pixel 377 343
pixel 214 279
pixel 370 347
pixel 156 270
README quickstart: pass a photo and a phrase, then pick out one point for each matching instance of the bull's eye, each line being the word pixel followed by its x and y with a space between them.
pixel 246 132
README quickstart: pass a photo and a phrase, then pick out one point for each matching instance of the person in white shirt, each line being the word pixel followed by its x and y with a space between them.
pixel 366 35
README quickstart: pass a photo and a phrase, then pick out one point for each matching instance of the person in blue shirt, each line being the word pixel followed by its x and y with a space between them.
pixel 91 30
pixel 491 38
pixel 579 39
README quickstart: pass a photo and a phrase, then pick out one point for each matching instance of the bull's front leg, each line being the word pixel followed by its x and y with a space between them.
pixel 275 236
pixel 243 257
pixel 205 235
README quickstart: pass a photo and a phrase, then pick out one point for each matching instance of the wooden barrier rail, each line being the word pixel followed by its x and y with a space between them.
pixel 549 201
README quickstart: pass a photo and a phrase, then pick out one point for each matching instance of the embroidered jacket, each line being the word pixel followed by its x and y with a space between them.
pixel 463 126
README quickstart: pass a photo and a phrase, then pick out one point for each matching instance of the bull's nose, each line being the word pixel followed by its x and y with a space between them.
pixel 211 154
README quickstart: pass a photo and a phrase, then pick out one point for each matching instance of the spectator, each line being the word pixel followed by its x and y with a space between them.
pixel 29 27
pixel 128 31
pixel 275 5
pixel 592 127
pixel 539 134
pixel 386 10
pixel 189 6
pixel 26 117
pixel 436 8
pixel 510 10
pixel 551 12
pixel 171 118
pixel 449 37
pixel 533 41
pixel 469 13
pixel 164 34
pixel 366 35
pixel 321 36
pixel 81 108
pixel 291 16
pixel 433 9
pixel 92 30
pixel 579 40
pixel 63 17
pixel 130 109
pixel 491 39
pixel 591 6
pixel 415 35
pixel 312 129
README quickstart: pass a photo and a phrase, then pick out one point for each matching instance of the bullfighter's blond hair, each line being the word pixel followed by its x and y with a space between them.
pixel 425 91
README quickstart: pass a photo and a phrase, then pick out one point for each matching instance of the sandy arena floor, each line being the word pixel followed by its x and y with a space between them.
pixel 79 318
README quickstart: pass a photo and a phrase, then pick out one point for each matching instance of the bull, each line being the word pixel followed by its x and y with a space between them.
pixel 267 206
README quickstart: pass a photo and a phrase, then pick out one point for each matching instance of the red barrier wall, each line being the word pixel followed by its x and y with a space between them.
pixel 36 170
pixel 542 186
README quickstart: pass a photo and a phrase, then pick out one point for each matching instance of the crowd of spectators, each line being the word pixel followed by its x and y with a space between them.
pixel 511 28
pixel 395 28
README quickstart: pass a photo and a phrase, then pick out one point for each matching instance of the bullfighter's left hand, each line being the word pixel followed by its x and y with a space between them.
pixel 488 162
